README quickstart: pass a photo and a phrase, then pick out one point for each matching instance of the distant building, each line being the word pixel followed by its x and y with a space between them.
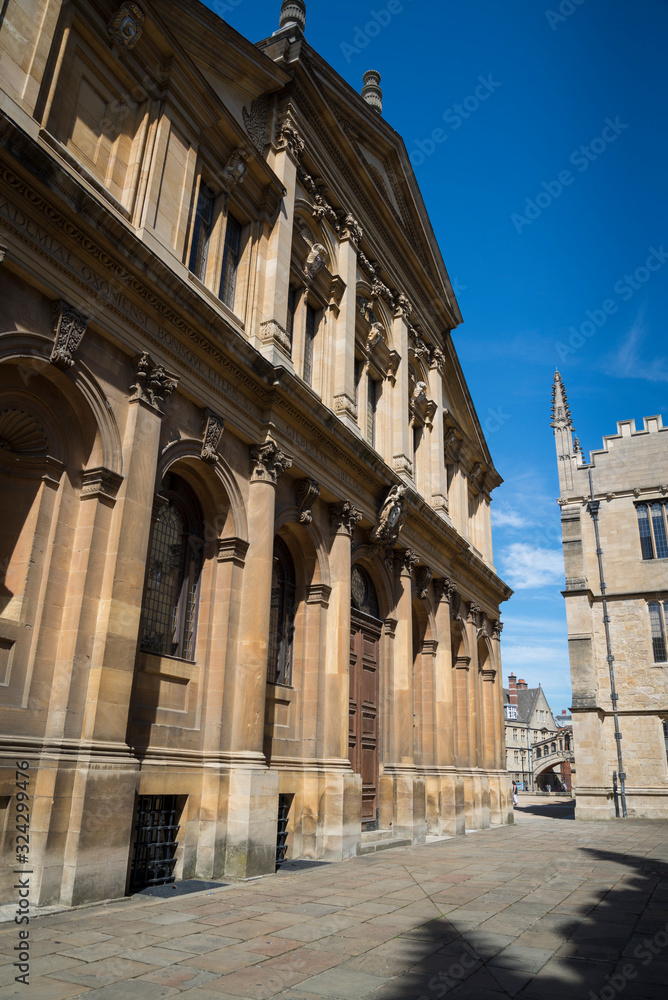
pixel 554 762
pixel 625 488
pixel 529 723
pixel 564 718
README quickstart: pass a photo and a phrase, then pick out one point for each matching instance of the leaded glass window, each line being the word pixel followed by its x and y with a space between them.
pixel 199 251
pixel 311 330
pixel 282 616
pixel 652 528
pixel 657 619
pixel 231 253
pixel 169 610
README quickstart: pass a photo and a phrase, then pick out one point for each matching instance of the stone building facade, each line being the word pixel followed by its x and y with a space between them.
pixel 529 722
pixel 247 601
pixel 625 487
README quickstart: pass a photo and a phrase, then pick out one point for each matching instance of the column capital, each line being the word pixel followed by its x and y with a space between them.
pixel 343 518
pixel 444 590
pixel 152 383
pixel 268 462
pixel 406 561
pixel 497 628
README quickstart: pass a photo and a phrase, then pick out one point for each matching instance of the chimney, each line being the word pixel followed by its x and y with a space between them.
pixel 522 685
pixel 371 91
pixel 293 12
pixel 512 686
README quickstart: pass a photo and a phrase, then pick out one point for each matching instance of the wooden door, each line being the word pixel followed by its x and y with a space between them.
pixel 363 718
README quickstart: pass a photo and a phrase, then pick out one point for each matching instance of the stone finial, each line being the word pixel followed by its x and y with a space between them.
pixel 293 12
pixel 371 91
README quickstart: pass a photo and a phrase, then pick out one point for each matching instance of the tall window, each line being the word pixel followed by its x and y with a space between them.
pixel 282 620
pixel 231 253
pixel 371 406
pixel 665 735
pixel 311 330
pixel 652 527
pixel 657 619
pixel 292 309
pixel 199 251
pixel 169 610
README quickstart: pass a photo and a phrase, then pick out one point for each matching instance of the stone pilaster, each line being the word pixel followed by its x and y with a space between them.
pixel 400 425
pixel 344 338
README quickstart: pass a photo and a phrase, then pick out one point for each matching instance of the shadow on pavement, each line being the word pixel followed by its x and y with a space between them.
pixel 605 944
pixel 559 809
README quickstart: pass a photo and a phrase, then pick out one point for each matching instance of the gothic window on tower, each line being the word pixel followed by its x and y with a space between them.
pixel 658 611
pixel 169 610
pixel 652 527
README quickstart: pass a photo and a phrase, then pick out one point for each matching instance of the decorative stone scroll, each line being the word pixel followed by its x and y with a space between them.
pixel 343 518
pixel 268 462
pixel 213 425
pixel 153 383
pixel 126 26
pixel 423 577
pixel 307 492
pixel 287 136
pixel 69 326
pixel 391 517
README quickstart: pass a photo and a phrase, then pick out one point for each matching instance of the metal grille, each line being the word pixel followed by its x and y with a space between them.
pixel 658 632
pixel 202 231
pixel 228 278
pixel 308 344
pixel 155 843
pixel 161 597
pixel 284 803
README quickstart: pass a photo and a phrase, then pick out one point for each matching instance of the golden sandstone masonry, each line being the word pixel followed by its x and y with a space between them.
pixel 624 488
pixel 247 600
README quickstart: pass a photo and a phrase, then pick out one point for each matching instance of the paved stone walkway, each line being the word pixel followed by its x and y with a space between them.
pixel 547 908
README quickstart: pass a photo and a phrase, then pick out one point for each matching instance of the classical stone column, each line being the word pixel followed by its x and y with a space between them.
pixel 444 738
pixel 437 471
pixel 400 424
pixel 245 714
pixel 401 694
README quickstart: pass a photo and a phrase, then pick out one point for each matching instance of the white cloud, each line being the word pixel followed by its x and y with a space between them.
pixel 627 363
pixel 527 566
pixel 504 516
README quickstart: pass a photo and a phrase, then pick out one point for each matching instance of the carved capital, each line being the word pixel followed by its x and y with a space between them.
pixel 69 327
pixel 307 492
pixel 474 613
pixel 100 484
pixel 268 462
pixel 444 590
pixel 497 629
pixel 391 517
pixel 272 331
pixel 153 383
pixel 213 426
pixel 126 26
pixel 343 518
pixel 232 550
pixel 423 577
pixel 390 627
pixel 406 562
pixel 287 137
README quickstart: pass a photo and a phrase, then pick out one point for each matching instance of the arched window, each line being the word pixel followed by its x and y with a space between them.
pixel 363 593
pixel 169 611
pixel 538 753
pixel 553 748
pixel 282 621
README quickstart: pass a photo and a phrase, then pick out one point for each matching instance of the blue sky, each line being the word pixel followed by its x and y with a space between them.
pixel 545 191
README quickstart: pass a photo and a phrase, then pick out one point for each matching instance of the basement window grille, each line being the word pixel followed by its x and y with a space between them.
pixel 284 803
pixel 155 843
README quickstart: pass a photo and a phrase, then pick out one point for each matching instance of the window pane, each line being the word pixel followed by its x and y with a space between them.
pixel 228 277
pixel 665 735
pixel 308 345
pixel 201 232
pixel 658 634
pixel 292 308
pixel 659 531
pixel 645 532
pixel 282 617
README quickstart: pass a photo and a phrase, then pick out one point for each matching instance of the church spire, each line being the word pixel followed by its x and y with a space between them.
pixel 567 454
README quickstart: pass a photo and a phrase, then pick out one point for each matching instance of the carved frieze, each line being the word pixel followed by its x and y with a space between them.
pixel 153 383
pixel 343 518
pixel 391 517
pixel 307 492
pixel 126 26
pixel 69 326
pixel 256 120
pixel 268 462
pixel 212 432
